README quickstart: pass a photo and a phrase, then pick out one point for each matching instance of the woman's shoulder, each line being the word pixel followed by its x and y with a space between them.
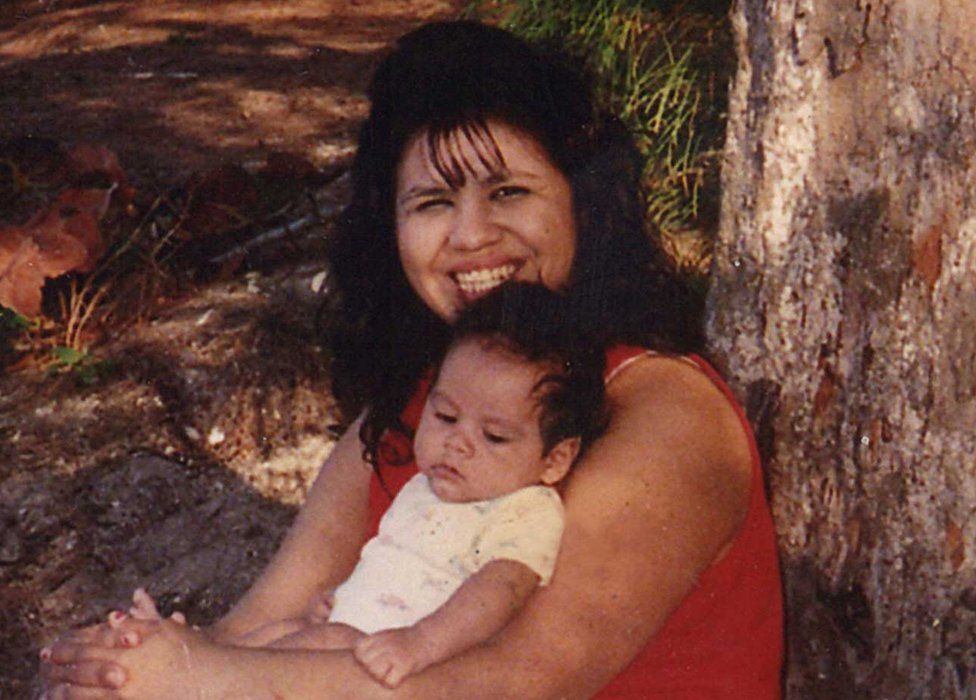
pixel 669 387
pixel 671 421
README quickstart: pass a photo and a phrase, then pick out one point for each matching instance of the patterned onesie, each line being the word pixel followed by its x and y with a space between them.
pixel 426 548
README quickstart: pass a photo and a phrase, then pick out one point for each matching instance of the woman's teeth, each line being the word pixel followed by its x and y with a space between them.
pixel 481 281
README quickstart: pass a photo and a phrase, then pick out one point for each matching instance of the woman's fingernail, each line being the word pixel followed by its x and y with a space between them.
pixel 45 654
pixel 130 639
pixel 115 677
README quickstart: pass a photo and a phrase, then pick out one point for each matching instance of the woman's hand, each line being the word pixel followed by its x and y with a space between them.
pixel 76 657
pixel 79 649
pixel 166 664
pixel 108 635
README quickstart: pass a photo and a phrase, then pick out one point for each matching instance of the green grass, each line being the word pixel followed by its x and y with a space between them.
pixel 663 68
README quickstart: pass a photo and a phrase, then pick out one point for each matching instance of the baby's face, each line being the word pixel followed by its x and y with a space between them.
pixel 478 436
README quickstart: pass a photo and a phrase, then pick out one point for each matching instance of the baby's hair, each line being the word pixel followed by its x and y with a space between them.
pixel 535 324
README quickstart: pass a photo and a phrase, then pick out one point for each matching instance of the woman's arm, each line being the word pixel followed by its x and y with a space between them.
pixel 321 546
pixel 652 504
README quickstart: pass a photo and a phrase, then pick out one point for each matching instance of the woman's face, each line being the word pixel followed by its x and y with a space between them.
pixel 510 220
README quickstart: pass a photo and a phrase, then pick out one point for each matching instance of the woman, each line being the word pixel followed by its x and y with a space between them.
pixel 484 160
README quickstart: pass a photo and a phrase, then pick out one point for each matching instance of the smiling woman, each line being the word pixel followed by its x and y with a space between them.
pixel 464 231
pixel 484 160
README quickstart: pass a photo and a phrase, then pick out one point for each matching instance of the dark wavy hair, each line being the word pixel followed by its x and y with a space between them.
pixel 448 79
pixel 538 326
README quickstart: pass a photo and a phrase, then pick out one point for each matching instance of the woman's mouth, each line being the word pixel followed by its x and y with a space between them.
pixel 477 283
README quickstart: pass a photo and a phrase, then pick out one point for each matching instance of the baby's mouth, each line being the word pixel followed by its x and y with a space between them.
pixel 477 283
pixel 444 471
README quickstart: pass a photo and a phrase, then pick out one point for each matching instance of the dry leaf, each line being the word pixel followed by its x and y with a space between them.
pixel 21 279
pixel 62 238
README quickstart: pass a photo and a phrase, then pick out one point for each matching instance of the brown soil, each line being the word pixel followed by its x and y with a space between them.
pixel 180 468
pixel 175 86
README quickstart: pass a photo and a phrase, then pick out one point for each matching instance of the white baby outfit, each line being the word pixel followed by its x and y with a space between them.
pixel 426 548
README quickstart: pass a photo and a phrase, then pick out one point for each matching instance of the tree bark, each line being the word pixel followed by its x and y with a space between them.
pixel 843 308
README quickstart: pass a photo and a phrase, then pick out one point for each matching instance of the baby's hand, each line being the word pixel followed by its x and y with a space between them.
pixel 392 655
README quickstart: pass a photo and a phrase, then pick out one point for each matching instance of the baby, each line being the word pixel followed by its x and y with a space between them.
pixel 465 543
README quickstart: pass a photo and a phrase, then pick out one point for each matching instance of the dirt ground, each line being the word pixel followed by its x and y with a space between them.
pixel 173 86
pixel 183 464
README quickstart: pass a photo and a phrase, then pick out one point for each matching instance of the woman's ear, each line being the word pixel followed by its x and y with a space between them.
pixel 559 459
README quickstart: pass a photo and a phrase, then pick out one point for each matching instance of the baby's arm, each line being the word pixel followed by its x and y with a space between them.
pixel 477 610
pixel 266 635
pixel 323 636
pixel 297 633
pixel 309 632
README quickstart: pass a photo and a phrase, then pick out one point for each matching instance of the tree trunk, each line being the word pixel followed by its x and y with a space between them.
pixel 843 307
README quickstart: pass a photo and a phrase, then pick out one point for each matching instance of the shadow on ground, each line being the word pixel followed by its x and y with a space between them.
pixel 194 535
pixel 181 468
pixel 177 87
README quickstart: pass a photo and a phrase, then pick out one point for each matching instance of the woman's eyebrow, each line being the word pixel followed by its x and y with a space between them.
pixel 497 177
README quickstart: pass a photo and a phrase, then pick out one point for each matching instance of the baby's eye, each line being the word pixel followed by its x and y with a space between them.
pixel 495 438
pixel 445 417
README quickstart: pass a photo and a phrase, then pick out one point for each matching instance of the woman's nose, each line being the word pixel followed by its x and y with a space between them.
pixel 473 227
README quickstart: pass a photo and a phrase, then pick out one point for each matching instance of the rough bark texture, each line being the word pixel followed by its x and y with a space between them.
pixel 844 309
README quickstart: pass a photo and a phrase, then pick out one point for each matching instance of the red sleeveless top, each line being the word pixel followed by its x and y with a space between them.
pixel 725 640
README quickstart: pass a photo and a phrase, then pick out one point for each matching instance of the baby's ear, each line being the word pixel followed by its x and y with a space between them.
pixel 559 459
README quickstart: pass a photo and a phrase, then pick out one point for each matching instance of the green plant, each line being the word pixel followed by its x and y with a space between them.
pixel 83 366
pixel 660 66
pixel 129 273
pixel 13 327
pixel 12 322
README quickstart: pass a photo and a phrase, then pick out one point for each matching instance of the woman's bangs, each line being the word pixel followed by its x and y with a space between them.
pixel 447 148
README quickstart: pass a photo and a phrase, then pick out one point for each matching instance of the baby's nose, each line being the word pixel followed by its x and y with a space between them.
pixel 458 442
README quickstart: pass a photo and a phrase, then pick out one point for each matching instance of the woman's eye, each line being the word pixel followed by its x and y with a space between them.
pixel 428 204
pixel 445 417
pixel 495 438
pixel 508 192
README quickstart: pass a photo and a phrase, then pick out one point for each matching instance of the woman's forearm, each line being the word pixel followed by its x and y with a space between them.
pixel 286 674
pixel 321 546
pixel 483 672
